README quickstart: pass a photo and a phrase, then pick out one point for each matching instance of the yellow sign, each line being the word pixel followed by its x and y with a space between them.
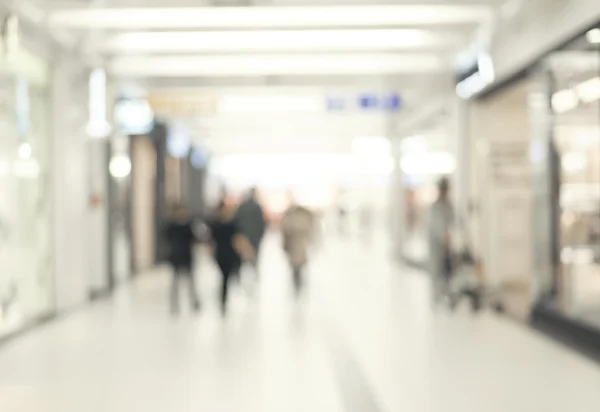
pixel 178 105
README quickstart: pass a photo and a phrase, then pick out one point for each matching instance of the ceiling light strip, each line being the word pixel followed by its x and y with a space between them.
pixel 261 65
pixel 257 17
pixel 221 41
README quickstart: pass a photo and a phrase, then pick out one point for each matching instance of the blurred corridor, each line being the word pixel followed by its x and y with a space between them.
pixel 410 190
pixel 364 338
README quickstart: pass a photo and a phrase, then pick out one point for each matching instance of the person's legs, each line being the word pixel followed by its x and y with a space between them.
pixel 236 270
pixel 193 292
pixel 175 291
pixel 298 279
pixel 440 286
pixel 226 269
pixel 254 261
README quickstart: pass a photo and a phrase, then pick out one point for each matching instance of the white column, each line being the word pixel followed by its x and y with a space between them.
pixel 462 147
pixel 69 176
pixel 397 198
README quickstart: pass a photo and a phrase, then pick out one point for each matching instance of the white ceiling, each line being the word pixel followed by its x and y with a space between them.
pixel 186 38
pixel 194 38
pixel 408 46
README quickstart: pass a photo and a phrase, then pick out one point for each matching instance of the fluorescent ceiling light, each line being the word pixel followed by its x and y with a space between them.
pixel 277 64
pixel 564 101
pixel 98 126
pixel 265 17
pixel 486 67
pixel 471 86
pixel 593 36
pixel 222 41
pixel 589 90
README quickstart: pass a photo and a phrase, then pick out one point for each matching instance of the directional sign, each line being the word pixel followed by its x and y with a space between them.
pixel 370 102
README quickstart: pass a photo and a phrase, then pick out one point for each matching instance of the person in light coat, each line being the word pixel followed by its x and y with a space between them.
pixel 441 222
pixel 298 230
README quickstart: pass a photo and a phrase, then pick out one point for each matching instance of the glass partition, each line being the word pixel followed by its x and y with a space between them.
pixel 25 249
pixel 572 157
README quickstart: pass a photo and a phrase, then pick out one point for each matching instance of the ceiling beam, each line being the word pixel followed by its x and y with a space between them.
pixel 141 18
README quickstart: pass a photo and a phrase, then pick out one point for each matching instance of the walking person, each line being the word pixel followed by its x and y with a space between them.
pixel 251 223
pixel 226 242
pixel 441 223
pixel 298 230
pixel 180 238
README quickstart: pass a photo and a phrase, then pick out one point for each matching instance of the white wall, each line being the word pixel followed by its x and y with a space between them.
pixel 502 185
pixel 70 182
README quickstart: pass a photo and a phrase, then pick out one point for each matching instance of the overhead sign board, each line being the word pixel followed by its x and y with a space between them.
pixel 368 102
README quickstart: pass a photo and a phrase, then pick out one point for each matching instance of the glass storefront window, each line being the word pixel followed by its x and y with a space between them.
pixel 25 251
pixel 573 83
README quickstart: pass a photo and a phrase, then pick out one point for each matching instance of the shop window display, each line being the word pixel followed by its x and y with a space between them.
pixel 572 79
pixel 25 252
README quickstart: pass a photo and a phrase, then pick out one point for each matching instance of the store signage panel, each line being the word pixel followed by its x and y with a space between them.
pixel 171 105
pixel 365 102
pixel 193 105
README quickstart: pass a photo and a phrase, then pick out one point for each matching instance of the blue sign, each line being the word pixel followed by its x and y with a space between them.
pixel 368 102
pixel 373 102
pixel 391 102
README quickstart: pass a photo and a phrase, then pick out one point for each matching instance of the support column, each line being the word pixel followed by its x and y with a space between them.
pixel 397 189
pixel 69 181
pixel 462 147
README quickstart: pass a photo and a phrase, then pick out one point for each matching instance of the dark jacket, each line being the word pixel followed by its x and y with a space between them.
pixel 250 221
pixel 180 238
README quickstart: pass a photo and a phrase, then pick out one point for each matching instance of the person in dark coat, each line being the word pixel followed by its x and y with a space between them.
pixel 226 243
pixel 251 223
pixel 180 238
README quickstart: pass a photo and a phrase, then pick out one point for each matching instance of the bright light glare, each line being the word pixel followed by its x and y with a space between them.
pixel 417 144
pixel 120 166
pixel 274 40
pixel 289 170
pixel 229 104
pixel 267 17
pixel 26 169
pixel 440 163
pixel 589 90
pixel 564 101
pixel 133 116
pixel 178 141
pixel 372 146
pixel 471 86
pixel 486 67
pixel 276 64
pixel 98 126
pixel 573 162
pixel 593 36
pixel 25 151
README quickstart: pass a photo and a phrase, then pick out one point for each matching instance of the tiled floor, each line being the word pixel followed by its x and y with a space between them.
pixel 364 338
